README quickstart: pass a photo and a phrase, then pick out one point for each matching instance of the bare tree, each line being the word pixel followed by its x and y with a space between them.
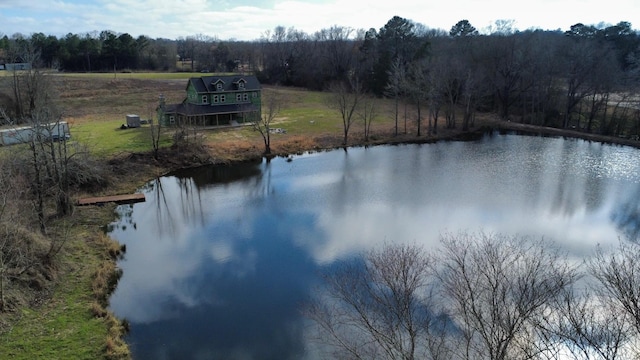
pixel 397 83
pixel 48 158
pixel 502 297
pixel 155 129
pixel 539 77
pixel 262 120
pixel 497 288
pixel 46 139
pixel 502 27
pixel 345 97
pixel 367 112
pixel 588 326
pixel 417 87
pixel 618 273
pixel 590 67
pixel 380 308
pixel 436 100
pixel 452 82
pixel 338 54
pixel 438 78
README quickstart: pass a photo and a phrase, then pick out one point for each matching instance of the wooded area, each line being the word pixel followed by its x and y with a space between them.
pixel 585 78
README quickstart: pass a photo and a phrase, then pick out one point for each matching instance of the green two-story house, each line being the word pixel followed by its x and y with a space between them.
pixel 215 100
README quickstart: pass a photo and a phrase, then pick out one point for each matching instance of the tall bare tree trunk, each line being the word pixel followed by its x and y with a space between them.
pixel 38 186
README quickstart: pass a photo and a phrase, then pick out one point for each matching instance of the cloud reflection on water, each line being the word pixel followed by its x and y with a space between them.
pixel 233 258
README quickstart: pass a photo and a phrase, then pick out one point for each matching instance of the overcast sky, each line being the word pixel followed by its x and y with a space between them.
pixel 249 19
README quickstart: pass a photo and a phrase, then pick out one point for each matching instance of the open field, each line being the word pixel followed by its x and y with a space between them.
pixel 95 105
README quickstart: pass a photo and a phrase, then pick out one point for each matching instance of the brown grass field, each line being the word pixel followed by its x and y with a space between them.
pixel 96 104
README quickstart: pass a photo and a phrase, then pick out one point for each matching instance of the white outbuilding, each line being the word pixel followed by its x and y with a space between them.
pixel 133 121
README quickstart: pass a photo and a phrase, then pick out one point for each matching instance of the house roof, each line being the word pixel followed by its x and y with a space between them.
pixel 207 84
pixel 195 110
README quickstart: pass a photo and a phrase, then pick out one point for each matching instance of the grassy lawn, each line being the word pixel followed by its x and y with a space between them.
pixel 106 139
pixel 62 329
pixel 95 105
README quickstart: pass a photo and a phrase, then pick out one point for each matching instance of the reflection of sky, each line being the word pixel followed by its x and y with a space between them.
pixel 217 271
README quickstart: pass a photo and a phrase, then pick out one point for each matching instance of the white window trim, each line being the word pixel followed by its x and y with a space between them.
pixel 205 99
pixel 216 99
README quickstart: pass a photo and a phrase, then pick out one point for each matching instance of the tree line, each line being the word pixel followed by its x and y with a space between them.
pixel 585 78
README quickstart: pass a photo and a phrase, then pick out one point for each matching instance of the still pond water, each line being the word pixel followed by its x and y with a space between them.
pixel 219 258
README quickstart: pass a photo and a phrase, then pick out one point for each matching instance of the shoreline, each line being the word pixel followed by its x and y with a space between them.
pixel 549 131
pixel 475 133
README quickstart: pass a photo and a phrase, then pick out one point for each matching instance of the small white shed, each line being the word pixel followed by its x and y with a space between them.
pixel 133 121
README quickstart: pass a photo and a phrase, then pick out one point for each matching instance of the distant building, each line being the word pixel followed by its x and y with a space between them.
pixel 15 66
pixel 58 131
pixel 215 100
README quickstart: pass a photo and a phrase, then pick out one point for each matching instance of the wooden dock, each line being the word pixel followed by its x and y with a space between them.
pixel 118 199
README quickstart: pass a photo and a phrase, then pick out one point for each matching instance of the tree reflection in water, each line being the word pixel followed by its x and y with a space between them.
pixel 240 246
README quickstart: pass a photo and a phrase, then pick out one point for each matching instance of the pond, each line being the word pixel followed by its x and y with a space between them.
pixel 219 259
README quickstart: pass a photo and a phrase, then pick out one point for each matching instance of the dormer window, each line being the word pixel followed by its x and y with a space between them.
pixel 239 84
pixel 218 85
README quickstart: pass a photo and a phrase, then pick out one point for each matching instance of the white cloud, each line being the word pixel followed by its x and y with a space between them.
pixel 245 20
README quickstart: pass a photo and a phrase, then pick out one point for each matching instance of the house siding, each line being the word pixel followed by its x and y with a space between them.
pixel 192 94
pixel 222 98
pixel 210 105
